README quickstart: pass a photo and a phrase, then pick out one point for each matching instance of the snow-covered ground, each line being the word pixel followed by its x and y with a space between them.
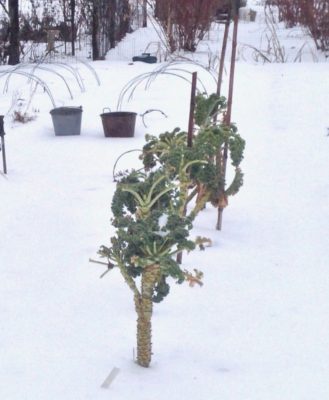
pixel 257 329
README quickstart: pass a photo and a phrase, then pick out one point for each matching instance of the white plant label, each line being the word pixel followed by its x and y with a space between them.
pixel 113 374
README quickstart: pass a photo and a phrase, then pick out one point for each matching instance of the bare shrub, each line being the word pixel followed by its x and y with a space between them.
pixel 22 118
pixel 20 107
pixel 185 22
pixel 313 14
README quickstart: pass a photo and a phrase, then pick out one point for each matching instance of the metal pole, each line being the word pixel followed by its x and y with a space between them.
pixel 3 148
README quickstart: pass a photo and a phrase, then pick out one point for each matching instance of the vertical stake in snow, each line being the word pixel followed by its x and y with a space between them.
pixel 190 131
pixel 227 120
pixel 2 147
pixel 192 107
pixel 222 56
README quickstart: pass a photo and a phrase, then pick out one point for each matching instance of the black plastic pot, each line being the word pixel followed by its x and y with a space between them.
pixel 67 120
pixel 118 123
pixel 145 57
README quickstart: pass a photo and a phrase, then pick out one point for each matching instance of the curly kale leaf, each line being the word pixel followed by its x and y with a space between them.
pixel 207 107
pixel 158 149
pixel 236 183
pixel 138 193
pixel 161 290
pixel 236 146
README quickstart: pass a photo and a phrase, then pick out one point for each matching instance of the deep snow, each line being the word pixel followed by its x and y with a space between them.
pixel 257 329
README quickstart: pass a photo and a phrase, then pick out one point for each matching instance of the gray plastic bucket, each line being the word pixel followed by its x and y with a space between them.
pixel 67 120
pixel 119 123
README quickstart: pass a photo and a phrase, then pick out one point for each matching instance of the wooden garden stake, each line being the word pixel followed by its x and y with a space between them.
pixel 227 118
pixel 232 70
pixel 179 256
pixel 192 107
pixel 222 56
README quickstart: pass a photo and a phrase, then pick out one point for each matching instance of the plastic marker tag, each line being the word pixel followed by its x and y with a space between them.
pixel 113 374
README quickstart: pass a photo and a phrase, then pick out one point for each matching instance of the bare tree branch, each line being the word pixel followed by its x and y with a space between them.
pixel 3 5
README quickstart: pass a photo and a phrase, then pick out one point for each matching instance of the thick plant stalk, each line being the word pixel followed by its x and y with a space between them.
pixel 144 308
pixel 201 200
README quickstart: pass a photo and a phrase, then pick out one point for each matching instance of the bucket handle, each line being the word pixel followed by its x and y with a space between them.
pixel 149 111
pixel 106 108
